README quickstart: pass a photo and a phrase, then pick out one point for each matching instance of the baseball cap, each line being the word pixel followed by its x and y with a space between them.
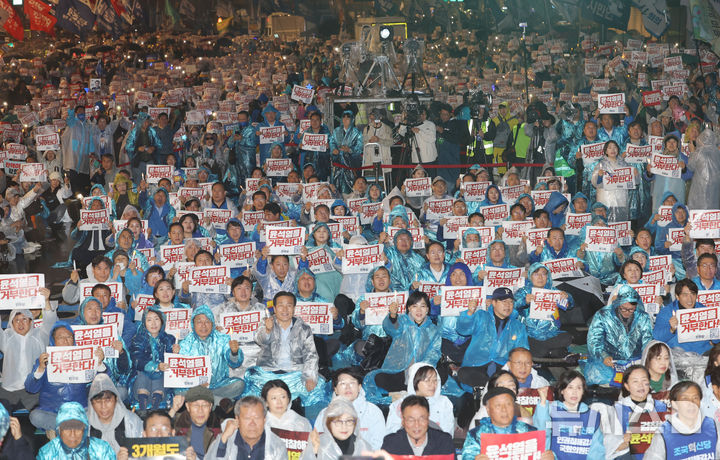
pixel 502 294
pixel 497 391
pixel 199 393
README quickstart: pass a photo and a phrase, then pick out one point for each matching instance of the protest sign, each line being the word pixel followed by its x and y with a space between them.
pixel 44 142
pixel 286 241
pixel 368 212
pixel 624 232
pixel 591 152
pixel 415 187
pixel 709 298
pixel 456 299
pixel 288 191
pixel 172 253
pixel 142 303
pixel 278 167
pixel 187 371
pixel 271 134
pixel 665 165
pixel 619 179
pixel 153 173
pixel 638 153
pixel 675 236
pixel 529 398
pixel 295 441
pixel 511 193
pixel 210 280
pixel 563 268
pixel 237 255
pixel 250 219
pixel 218 217
pixel 310 191
pixel 514 231
pixel 74 364
pixel 522 445
pixel 474 258
pixel 22 291
pixel 495 214
pixel 437 209
pixel 652 98
pixel 535 237
pixel 242 325
pixel 379 302
pixel 316 315
pixel 156 448
pixel 474 191
pixel 611 103
pixel 698 324
pixel 350 224
pixel 545 303
pixel 642 427
pixel 320 261
pixel 361 258
pixel 98 336
pixel 94 219
pixel 512 278
pixel 648 293
pixel 117 290
pixel 177 321
pixel 191 192
pixel 485 235
pixel 704 223
pixel 302 94
pixel 574 222
pixel 314 142
pixel 431 289
pixel 601 239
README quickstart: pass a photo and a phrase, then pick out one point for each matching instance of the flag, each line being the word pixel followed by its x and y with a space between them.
pixel 654 14
pixel 38 13
pixel 75 16
pixel 12 23
pixel 611 13
pixel 171 13
pixel 108 20
pixel 706 23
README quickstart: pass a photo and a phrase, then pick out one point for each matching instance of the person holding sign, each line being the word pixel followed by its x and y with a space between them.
pixel 404 261
pixel 287 352
pixel 663 242
pixel 157 211
pixel 662 184
pixel 602 265
pixel 319 159
pixel 328 282
pixel 346 146
pixel 575 159
pixel 22 344
pixel 619 331
pixel 666 322
pixel 225 354
pixel 686 428
pixel 707 269
pixel 89 243
pixel 415 338
pixel 277 276
pixel 500 404
pixel 269 114
pixel 147 349
pixel 340 435
pixel 74 440
pixel 90 313
pixel 541 311
pixel 53 395
pixel 242 143
pixel 572 428
pixel 610 177
pixel 493 333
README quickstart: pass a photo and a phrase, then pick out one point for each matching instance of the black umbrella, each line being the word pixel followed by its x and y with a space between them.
pixel 76 51
pixel 99 49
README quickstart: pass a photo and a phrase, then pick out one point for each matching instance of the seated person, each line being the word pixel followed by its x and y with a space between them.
pixel 424 380
pixel 277 397
pixel 276 277
pixel 100 273
pixel 619 331
pixel 707 270
pixel 21 345
pixel 74 439
pixel 224 353
pixel 500 405
pixel 347 384
pixel 157 424
pixel 198 422
pixel 416 437
pixel 53 395
pixel 501 378
pixel 109 419
pixel 287 352
pixel 339 436
pixel 520 364
pixel 246 435
pixel 666 323
pixel 493 334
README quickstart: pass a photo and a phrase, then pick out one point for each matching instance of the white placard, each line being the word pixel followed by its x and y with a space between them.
pixel 71 364
pixel 187 371
pixel 316 315
pixel 210 280
pixel 287 241
pixel 379 303
pixel 455 299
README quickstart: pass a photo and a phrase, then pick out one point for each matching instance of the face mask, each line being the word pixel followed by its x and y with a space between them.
pixel 472 244
pixel 81 116
pixel 244 124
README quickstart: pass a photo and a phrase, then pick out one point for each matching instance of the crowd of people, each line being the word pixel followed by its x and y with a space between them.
pixel 530 272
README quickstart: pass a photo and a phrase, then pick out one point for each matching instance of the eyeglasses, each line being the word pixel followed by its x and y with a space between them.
pixel 347 422
pixel 626 309
pixel 707 265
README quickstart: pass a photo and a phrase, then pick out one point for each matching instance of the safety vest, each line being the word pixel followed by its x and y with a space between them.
pixel 680 446
pixel 487 145
pixel 572 433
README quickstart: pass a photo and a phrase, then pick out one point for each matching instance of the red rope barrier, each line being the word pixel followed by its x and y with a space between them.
pixel 460 166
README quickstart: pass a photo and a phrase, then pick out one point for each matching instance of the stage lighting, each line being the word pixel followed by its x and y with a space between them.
pixel 386 33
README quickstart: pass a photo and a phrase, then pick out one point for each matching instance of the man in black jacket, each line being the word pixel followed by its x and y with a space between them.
pixel 416 437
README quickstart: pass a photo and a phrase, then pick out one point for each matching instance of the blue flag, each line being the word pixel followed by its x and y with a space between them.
pixel 74 16
pixel 108 20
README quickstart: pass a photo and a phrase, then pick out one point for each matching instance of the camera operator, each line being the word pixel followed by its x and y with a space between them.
pixel 378 131
pixel 540 128
pixel 482 130
pixel 452 136
pixel 423 131
pixel 504 142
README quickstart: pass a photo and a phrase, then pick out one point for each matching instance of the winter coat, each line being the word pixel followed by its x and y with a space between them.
pixel 124 424
pixel 274 447
pixel 302 348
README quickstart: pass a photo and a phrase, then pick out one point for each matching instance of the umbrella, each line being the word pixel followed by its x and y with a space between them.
pixel 99 49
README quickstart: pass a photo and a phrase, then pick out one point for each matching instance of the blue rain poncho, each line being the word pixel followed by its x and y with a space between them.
pixel 77 144
pixel 486 344
pixel 448 324
pixel 328 283
pixel 243 152
pixel 662 237
pixel 89 448
pixel 404 266
pixel 472 448
pixel 653 227
pixel 411 343
pixel 320 161
pixel 491 264
pixel 159 220
pixel 131 143
pixel 583 183
pixel 224 239
pixel 265 149
pixel 661 184
pixel 148 351
pixel 608 336
pixel 133 253
pixel 640 198
pixel 602 265
pixel 617 201
pixel 618 134
pixel 555 208
pixel 662 331
pixel 537 329
pixel 343 178
pixel 216 345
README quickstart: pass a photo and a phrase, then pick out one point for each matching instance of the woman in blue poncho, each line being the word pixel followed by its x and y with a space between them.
pixel 619 331
pixel 414 339
pixel 680 215
pixel 602 265
pixel 320 239
pixel 148 348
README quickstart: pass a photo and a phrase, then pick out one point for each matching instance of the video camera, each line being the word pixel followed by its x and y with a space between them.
pixel 412 109
pixel 536 111
pixel 479 100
